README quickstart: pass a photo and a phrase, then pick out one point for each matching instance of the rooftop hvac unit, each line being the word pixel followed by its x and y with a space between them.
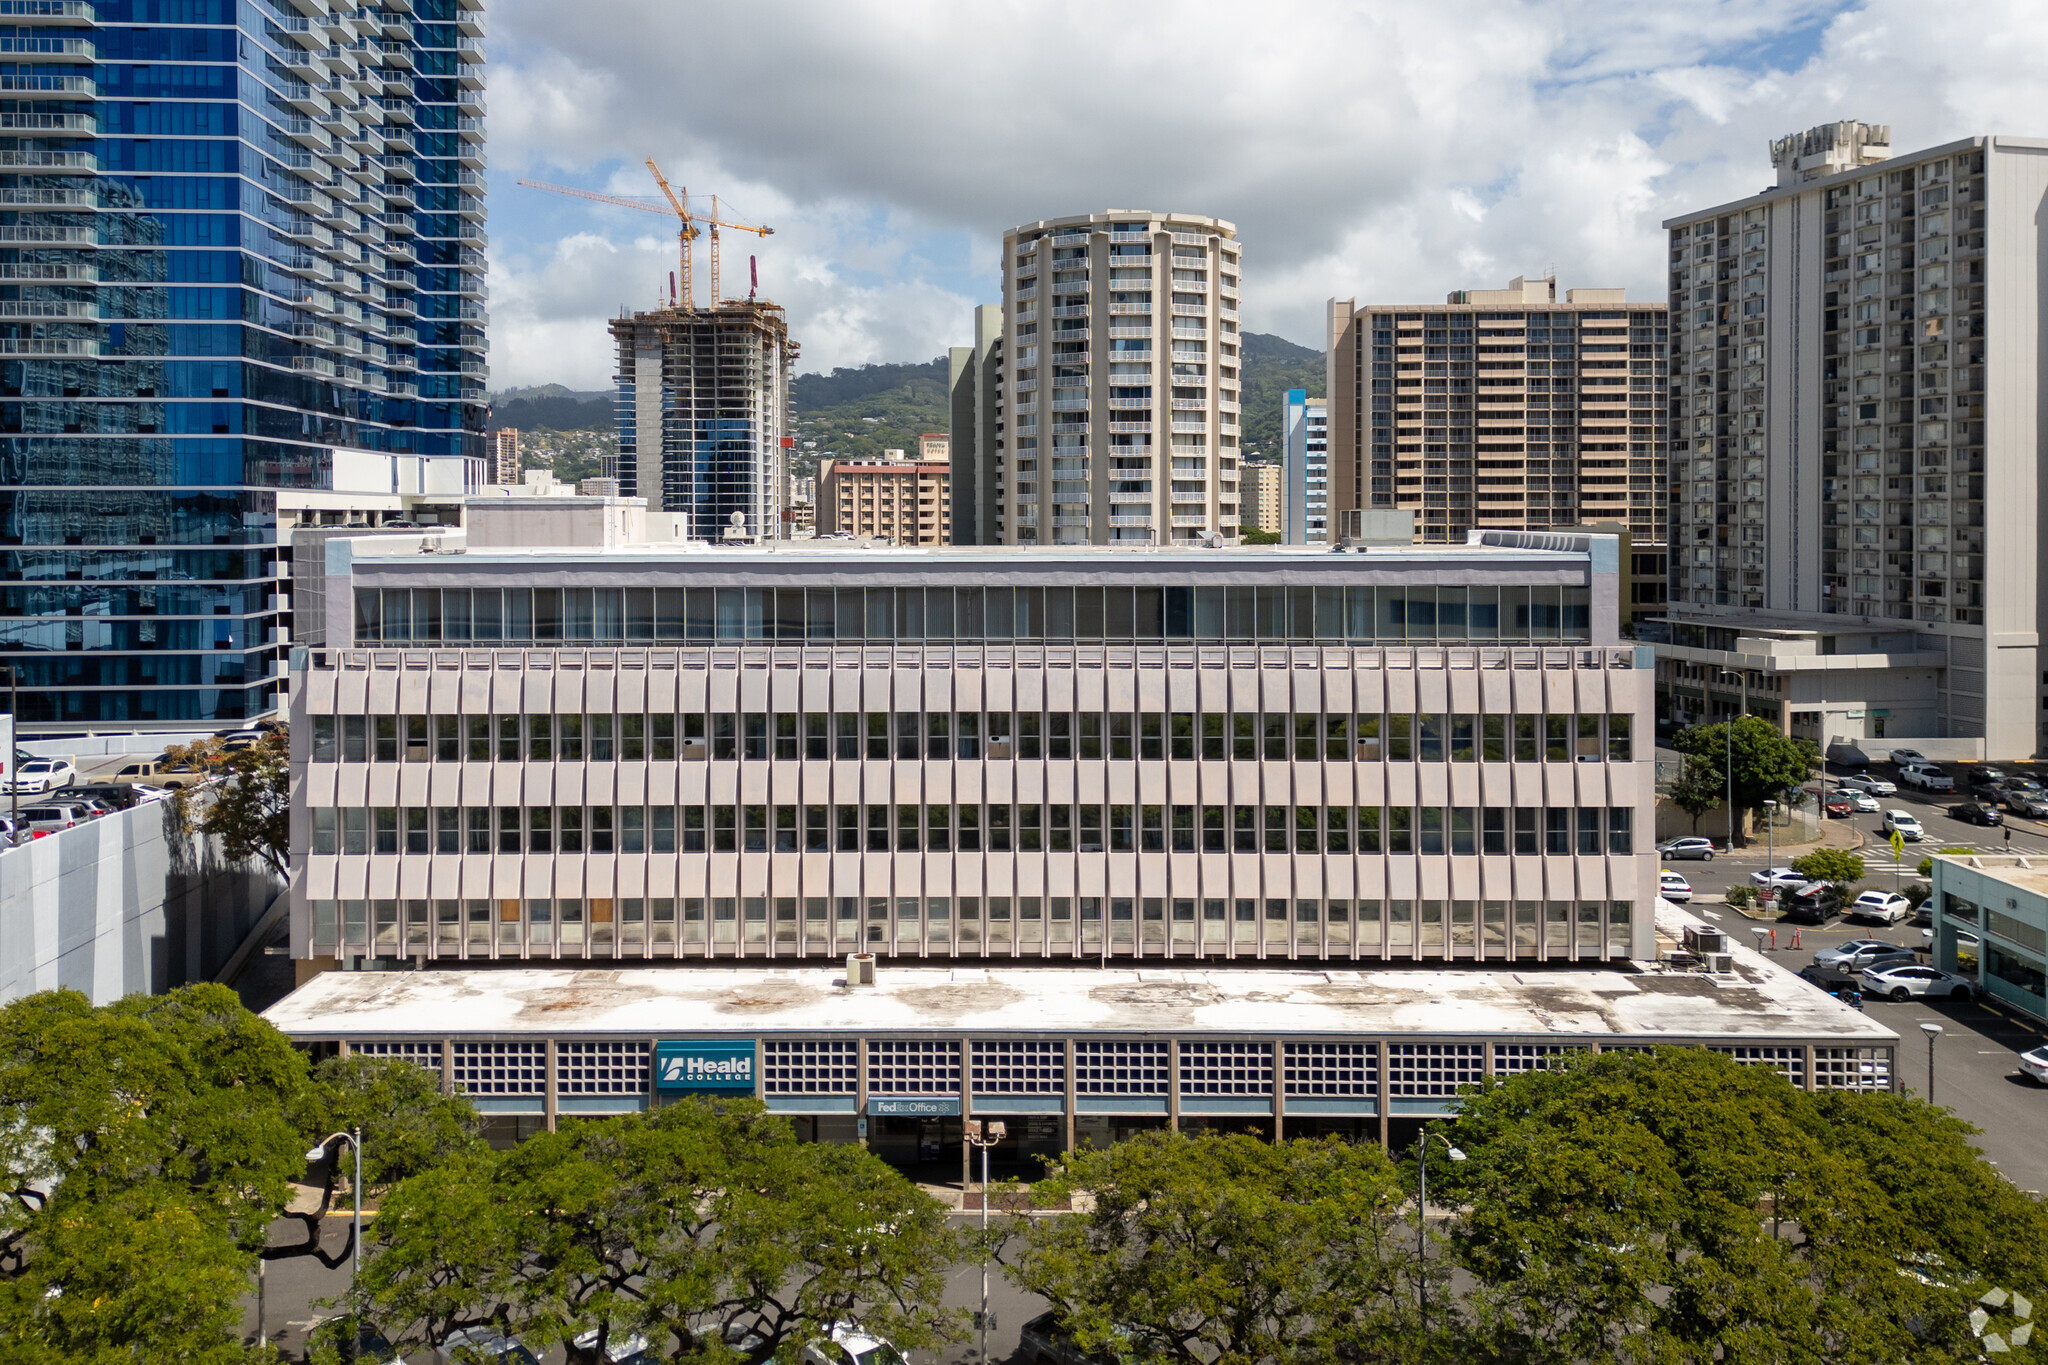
pixel 860 969
pixel 1704 938
pixel 1719 962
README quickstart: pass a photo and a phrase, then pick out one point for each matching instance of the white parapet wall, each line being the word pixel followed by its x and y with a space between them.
pixel 124 904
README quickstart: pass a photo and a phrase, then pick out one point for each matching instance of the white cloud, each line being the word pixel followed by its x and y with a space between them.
pixel 1387 151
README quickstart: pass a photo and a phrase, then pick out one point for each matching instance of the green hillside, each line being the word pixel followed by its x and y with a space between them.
pixel 858 412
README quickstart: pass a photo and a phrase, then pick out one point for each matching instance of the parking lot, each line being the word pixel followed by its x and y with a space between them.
pixel 1975 1059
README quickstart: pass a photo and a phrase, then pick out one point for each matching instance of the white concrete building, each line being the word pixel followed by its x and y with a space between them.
pixel 1305 430
pixel 651 752
pixel 1120 367
pixel 1856 423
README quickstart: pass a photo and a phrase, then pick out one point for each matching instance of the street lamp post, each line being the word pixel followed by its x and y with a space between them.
pixel 1932 1031
pixel 354 1138
pixel 1422 1215
pixel 985 1133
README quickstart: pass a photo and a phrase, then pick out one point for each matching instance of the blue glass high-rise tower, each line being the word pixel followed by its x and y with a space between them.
pixel 241 243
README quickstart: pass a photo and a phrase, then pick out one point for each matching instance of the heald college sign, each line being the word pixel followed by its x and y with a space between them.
pixel 712 1067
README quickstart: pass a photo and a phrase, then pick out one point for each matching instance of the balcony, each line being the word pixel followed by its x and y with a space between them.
pixel 52 48
pixel 17 235
pixel 49 87
pixel 1071 310
pixel 84 163
pixel 37 13
pixel 37 310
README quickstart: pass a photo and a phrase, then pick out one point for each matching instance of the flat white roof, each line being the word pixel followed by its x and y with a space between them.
pixel 1761 1003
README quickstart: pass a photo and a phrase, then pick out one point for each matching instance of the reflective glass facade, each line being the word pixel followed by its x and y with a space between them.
pixel 234 238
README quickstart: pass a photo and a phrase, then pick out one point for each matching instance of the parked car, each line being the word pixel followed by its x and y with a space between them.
pixel 1841 985
pixel 1042 1341
pixel 1876 786
pixel 482 1343
pixel 1674 888
pixel 1902 823
pixel 1905 982
pixel 1811 903
pixel 1972 813
pixel 146 793
pixel 1687 848
pixel 41 775
pixel 1966 942
pixel 1905 756
pixel 1779 877
pixel 114 795
pixel 1927 778
pixel 849 1345
pixel 1985 778
pixel 133 771
pixel 1847 756
pixel 48 819
pixel 2032 804
pixel 1858 953
pixel 623 1347
pixel 2034 1065
pixel 1863 801
pixel 1886 907
pixel 1839 806
pixel 93 805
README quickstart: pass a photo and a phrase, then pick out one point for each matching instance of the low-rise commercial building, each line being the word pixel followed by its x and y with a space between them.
pixel 1991 924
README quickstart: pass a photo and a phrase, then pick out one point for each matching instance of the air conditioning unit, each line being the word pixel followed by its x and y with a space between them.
pixel 860 969
pixel 1704 938
pixel 1719 963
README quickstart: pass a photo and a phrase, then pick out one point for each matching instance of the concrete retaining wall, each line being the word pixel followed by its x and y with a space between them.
pixel 123 904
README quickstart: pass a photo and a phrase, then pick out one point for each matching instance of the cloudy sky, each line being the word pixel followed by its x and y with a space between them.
pixel 1380 150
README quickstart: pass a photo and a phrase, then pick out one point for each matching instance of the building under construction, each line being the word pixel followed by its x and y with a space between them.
pixel 704 424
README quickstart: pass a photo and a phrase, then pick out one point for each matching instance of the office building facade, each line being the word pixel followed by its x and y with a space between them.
pixel 1423 754
pixel 904 502
pixel 1500 409
pixel 1305 430
pixel 1857 416
pixel 241 247
pixel 704 419
pixel 1121 369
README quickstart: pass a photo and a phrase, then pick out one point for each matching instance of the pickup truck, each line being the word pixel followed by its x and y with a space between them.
pixel 1926 777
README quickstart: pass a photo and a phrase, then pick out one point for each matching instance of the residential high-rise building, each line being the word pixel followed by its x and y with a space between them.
pixel 1122 364
pixel 704 420
pixel 505 456
pixel 1857 414
pixel 977 429
pixel 904 502
pixel 1261 483
pixel 1500 408
pixel 242 247
pixel 1305 433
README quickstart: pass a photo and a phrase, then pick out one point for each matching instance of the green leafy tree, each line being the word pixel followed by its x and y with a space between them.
pixel 1228 1249
pixel 705 1226
pixel 1677 1206
pixel 1252 535
pixel 246 803
pixel 1698 789
pixel 1838 867
pixel 1766 763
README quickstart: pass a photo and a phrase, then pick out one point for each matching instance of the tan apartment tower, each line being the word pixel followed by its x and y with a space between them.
pixel 1261 485
pixel 905 502
pixel 505 457
pixel 1120 366
pixel 1500 409
pixel 710 431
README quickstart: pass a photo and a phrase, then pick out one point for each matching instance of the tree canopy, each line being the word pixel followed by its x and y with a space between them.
pixel 1228 1249
pixel 1837 866
pixel 247 805
pixel 1765 762
pixel 704 1226
pixel 1679 1206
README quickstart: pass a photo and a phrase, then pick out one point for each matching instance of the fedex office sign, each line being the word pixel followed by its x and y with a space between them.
pixel 712 1067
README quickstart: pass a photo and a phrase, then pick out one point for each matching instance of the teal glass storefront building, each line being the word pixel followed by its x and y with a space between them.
pixel 236 238
pixel 1991 923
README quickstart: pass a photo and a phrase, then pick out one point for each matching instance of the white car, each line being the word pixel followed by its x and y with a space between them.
pixel 42 775
pixel 1885 907
pixel 2034 1065
pixel 1674 888
pixel 849 1345
pixel 1966 942
pixel 1876 786
pixel 1904 983
pixel 1784 878
pixel 145 792
pixel 1861 800
pixel 1903 823
pixel 1904 756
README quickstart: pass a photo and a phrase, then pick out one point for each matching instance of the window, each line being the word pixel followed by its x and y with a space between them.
pixel 785 829
pixel 1183 829
pixel 1152 830
pixel 1526 738
pixel 539 829
pixel 1400 738
pixel 725 829
pixel 1030 829
pixel 1430 741
pixel 1368 735
pixel 754 736
pixel 787 742
pixel 756 828
pixel 417 839
pixel 1151 735
pixel 478 735
pixel 355 739
pixel 1620 830
pixel 1557 830
pixel 817 836
pixel 1618 747
pixel 1463 735
pixel 324 747
pixel 1493 738
pixel 447 739
pixel 569 738
pixel 386 728
pixel 1557 742
pixel 540 746
pixel 906 829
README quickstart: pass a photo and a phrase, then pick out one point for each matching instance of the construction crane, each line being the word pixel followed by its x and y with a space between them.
pixel 679 209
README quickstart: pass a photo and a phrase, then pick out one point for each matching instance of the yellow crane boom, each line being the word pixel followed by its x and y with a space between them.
pixel 679 209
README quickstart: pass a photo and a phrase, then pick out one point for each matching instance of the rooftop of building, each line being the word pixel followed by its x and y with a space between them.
pixel 1758 1002
pixel 1160 222
pixel 2017 870
pixel 1804 181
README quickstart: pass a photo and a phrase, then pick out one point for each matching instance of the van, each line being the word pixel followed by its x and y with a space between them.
pixel 1847 756
pixel 48 819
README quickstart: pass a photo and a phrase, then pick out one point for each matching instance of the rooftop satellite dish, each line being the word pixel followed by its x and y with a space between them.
pixel 738 518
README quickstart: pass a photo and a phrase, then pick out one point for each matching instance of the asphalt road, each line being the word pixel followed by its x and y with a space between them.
pixel 1976 1071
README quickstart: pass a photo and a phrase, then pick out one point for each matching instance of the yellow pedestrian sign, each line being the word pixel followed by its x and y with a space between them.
pixel 1898 844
